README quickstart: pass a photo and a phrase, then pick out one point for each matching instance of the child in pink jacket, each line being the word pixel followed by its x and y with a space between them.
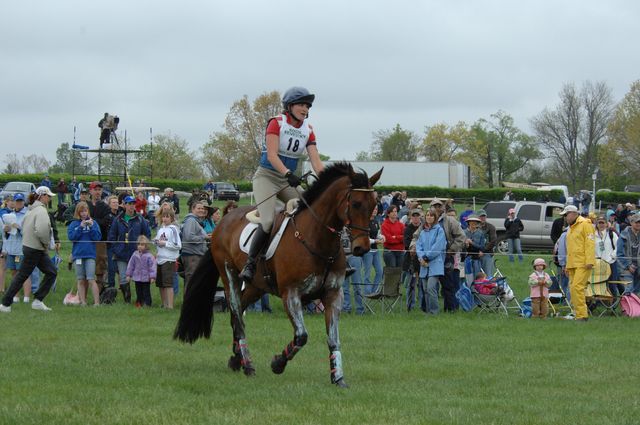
pixel 539 282
pixel 142 270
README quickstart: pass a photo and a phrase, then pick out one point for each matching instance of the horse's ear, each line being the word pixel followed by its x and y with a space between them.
pixel 374 179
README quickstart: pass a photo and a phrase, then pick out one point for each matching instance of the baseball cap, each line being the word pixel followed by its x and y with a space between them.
pixel 634 218
pixel 95 184
pixel 84 190
pixel 482 213
pixel 416 211
pixel 18 197
pixel 568 209
pixel 129 200
pixel 436 201
pixel 44 190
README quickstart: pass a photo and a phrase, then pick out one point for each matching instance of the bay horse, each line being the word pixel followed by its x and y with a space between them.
pixel 309 264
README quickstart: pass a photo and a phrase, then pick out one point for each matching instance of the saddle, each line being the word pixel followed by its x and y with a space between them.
pixel 280 223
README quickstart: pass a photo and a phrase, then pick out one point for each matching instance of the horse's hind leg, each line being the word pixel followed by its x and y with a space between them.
pixel 332 305
pixel 241 357
pixel 293 307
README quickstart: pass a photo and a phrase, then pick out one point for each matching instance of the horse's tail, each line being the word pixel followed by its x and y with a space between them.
pixel 196 315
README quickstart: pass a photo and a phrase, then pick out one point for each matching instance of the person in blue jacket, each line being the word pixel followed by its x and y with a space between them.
pixel 430 250
pixel 123 234
pixel 84 233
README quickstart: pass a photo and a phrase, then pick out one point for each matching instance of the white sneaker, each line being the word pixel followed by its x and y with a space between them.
pixel 39 305
pixel 16 300
pixel 5 309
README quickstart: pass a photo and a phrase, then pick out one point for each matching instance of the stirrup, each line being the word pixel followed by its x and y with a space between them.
pixel 248 271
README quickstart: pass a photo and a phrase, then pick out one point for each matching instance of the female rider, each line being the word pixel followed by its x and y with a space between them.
pixel 288 137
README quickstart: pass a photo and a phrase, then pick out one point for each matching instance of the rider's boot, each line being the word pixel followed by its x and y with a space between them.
pixel 258 242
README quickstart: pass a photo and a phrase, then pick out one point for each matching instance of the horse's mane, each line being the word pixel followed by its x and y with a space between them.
pixel 329 175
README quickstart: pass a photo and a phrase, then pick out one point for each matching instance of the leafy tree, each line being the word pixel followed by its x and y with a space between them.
pixel 573 131
pixel 619 158
pixel 169 158
pixel 70 161
pixel 226 159
pixel 363 156
pixel 498 149
pixel 394 145
pixel 443 143
pixel 234 153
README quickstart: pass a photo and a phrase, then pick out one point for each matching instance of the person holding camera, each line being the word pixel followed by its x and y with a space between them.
pixel 288 137
pixel 84 232
pixel 513 226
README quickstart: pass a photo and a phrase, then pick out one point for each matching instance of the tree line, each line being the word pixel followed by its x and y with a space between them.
pixel 586 132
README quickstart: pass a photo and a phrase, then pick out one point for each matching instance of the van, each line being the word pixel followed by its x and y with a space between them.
pixel 537 219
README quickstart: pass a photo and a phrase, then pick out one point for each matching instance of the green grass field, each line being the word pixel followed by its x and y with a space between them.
pixel 118 365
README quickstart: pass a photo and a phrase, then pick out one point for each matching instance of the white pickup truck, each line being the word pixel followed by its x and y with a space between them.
pixel 536 217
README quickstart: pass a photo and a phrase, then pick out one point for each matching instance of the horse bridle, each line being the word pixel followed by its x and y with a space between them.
pixel 348 226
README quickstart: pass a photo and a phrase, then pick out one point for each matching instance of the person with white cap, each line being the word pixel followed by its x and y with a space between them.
pixel 37 238
pixel 581 257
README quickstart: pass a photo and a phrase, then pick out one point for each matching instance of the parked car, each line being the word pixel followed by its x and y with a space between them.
pixel 632 188
pixel 537 218
pixel 12 188
pixel 225 191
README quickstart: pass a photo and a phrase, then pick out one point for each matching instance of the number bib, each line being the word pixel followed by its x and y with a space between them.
pixel 293 141
pixel 293 144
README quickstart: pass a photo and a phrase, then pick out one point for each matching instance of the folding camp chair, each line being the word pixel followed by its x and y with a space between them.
pixel 597 293
pixel 503 302
pixel 559 305
pixel 388 294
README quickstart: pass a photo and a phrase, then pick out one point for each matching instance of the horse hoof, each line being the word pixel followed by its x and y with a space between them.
pixel 278 364
pixel 249 371
pixel 340 383
pixel 234 363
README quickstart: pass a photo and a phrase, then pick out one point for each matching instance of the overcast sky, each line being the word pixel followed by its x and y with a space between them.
pixel 178 66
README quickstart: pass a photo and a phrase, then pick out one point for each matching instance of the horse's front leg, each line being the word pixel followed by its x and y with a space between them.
pixel 293 307
pixel 241 357
pixel 332 306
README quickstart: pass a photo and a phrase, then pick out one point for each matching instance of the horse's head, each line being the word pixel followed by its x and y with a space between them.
pixel 356 212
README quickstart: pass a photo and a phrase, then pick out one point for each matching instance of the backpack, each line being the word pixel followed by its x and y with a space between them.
pixel 465 298
pixel 630 305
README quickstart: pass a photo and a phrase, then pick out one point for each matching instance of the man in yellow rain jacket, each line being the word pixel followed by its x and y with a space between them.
pixel 581 257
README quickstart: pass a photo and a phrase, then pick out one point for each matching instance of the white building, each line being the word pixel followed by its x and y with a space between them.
pixel 413 173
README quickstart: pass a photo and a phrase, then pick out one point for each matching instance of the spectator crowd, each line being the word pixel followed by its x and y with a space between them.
pixel 140 240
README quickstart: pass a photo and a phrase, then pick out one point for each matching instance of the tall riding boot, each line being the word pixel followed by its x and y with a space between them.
pixel 126 293
pixel 259 240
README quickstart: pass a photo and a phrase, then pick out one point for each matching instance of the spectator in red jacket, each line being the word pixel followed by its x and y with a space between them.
pixel 393 232
pixel 141 204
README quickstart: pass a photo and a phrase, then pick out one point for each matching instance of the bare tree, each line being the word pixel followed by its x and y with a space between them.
pixel 573 131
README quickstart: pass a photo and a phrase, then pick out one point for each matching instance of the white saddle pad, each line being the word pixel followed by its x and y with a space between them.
pixel 249 230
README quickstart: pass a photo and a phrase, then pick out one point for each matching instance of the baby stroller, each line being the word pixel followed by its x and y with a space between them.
pixel 494 295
